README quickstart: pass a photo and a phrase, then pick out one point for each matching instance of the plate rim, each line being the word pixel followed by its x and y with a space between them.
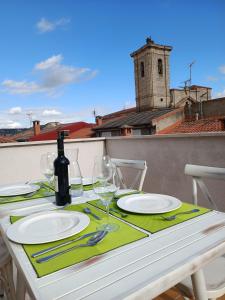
pixel 47 240
pixel 122 199
pixel 35 187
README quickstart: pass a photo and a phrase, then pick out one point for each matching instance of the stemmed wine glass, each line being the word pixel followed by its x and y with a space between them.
pixel 105 185
pixel 47 165
pixel 75 177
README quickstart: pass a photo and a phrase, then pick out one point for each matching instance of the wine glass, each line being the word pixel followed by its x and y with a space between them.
pixel 75 177
pixel 105 185
pixel 47 165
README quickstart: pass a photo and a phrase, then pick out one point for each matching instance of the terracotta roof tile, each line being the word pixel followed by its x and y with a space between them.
pixel 6 139
pixel 51 134
pixel 204 125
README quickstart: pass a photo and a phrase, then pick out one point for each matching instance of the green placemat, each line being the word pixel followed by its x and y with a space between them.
pixel 125 235
pixel 88 187
pixel 154 222
pixel 44 191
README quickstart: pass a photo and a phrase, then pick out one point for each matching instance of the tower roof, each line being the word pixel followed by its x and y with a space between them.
pixel 150 44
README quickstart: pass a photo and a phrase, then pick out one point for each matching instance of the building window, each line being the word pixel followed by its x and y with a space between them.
pixel 161 99
pixel 136 131
pixel 160 67
pixel 145 131
pixel 106 133
pixel 115 133
pixel 142 66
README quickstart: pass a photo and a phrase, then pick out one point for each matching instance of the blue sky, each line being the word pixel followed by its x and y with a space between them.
pixel 59 60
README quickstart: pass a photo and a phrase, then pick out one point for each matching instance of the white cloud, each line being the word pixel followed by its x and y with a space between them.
pixel 15 110
pixel 52 74
pixel 211 78
pixel 21 87
pixel 51 112
pixel 222 69
pixel 9 124
pixel 45 25
pixel 220 94
pixel 49 63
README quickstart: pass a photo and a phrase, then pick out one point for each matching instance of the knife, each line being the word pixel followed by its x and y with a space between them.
pixel 63 244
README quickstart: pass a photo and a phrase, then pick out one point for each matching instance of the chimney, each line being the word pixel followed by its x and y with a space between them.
pixel 36 127
pixel 98 120
pixel 126 130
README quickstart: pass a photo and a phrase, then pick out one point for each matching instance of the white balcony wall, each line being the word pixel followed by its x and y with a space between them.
pixel 20 162
pixel 166 156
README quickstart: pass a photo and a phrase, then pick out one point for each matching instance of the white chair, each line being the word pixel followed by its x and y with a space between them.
pixel 6 273
pixel 214 272
pixel 139 165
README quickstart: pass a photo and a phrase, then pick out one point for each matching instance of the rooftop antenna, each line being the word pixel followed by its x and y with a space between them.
pixel 190 66
pixel 94 113
pixel 30 115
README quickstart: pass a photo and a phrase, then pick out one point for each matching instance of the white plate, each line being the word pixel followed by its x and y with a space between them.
pixel 48 226
pixel 149 203
pixel 19 189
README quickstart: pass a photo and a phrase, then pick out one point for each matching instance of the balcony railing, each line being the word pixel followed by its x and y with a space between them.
pixel 166 156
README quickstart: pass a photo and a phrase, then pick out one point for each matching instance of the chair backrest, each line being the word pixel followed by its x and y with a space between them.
pixel 198 172
pixel 139 165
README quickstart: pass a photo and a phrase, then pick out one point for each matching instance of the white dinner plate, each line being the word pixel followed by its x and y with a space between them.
pixel 149 203
pixel 48 226
pixel 18 189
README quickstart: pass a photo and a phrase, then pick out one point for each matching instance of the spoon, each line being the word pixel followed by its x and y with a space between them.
pixel 91 242
pixel 87 210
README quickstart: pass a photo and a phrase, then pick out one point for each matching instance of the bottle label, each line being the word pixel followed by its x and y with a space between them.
pixel 56 184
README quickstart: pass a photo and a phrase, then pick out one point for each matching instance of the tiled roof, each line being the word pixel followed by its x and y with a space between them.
pixel 134 119
pixel 51 134
pixel 5 139
pixel 82 133
pixel 205 125
pixel 195 87
pixel 119 113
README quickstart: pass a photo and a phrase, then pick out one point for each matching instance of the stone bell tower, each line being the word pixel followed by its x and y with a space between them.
pixel 152 76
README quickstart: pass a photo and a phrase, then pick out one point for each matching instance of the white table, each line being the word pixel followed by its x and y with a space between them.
pixel 140 270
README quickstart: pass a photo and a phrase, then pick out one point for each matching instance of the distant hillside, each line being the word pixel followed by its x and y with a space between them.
pixel 9 132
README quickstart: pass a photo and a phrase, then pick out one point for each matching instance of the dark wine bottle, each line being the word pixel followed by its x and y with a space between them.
pixel 61 163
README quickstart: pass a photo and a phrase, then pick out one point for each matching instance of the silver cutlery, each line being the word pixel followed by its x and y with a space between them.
pixel 94 240
pixel 94 234
pixel 87 210
pixel 123 215
pixel 173 217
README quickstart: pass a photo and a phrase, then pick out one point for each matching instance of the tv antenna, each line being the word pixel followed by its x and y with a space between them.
pixel 190 66
pixel 30 116
pixel 94 112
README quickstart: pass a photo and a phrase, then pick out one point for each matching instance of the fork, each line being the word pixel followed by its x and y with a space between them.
pixel 173 217
pixel 90 243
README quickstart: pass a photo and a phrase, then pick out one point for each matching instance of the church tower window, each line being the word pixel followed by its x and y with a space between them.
pixel 142 67
pixel 160 67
